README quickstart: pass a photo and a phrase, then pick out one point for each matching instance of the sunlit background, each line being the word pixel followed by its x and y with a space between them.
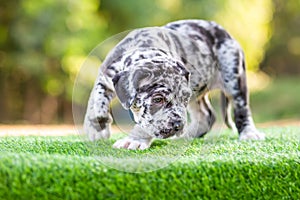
pixel 43 44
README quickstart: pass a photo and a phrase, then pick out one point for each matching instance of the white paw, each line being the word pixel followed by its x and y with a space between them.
pixel 251 134
pixel 132 144
pixel 97 128
pixel 94 133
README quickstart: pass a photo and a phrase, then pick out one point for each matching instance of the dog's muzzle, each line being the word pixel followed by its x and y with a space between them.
pixel 176 127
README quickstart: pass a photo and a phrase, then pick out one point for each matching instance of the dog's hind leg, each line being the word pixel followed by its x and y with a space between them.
pixel 232 67
pixel 226 112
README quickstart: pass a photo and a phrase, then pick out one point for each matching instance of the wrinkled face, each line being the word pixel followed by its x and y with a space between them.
pixel 157 94
pixel 160 103
pixel 162 111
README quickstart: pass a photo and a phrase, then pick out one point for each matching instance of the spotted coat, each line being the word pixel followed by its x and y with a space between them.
pixel 161 73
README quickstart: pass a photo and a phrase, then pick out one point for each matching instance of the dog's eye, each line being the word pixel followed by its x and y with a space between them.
pixel 158 100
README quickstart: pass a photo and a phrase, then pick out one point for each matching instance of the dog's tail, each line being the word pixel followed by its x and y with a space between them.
pixel 226 112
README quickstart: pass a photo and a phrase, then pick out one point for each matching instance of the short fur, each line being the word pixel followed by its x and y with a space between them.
pixel 160 73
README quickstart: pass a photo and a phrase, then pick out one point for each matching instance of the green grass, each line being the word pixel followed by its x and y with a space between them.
pixel 216 167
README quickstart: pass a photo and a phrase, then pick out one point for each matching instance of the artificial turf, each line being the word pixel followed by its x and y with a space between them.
pixel 217 166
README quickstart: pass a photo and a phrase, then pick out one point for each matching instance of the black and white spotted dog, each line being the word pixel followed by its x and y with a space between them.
pixel 160 73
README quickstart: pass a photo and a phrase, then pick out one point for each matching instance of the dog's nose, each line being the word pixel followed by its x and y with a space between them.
pixel 178 126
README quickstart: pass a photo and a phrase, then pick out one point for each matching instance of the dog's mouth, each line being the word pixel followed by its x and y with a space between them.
pixel 168 132
pixel 165 133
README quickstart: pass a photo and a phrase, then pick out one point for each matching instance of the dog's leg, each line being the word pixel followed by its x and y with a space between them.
pixel 137 139
pixel 232 66
pixel 202 117
pixel 226 112
pixel 98 119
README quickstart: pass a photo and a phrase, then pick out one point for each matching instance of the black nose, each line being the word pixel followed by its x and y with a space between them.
pixel 178 126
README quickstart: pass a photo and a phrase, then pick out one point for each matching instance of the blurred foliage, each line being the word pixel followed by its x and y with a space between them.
pixel 249 22
pixel 283 52
pixel 44 43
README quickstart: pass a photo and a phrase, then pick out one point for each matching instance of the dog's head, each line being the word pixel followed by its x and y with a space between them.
pixel 157 94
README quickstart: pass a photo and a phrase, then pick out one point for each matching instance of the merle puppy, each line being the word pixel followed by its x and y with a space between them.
pixel 160 73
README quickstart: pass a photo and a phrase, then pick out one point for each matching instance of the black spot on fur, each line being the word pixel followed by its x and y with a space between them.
pixel 101 85
pixel 141 33
pixel 126 41
pixel 178 44
pixel 235 70
pixel 158 61
pixel 150 89
pixel 145 34
pixel 241 87
pixel 183 70
pixel 221 36
pixel 149 42
pixel 164 38
pixel 112 68
pixel 128 61
pixel 102 122
pixel 241 118
pixel 145 111
pixel 236 59
pixel 169 104
pixel 203 32
pixel 144 45
pixel 183 60
pixel 164 52
pixel 173 26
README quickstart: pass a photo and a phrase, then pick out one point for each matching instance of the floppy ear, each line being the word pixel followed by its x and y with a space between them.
pixel 121 84
pixel 141 77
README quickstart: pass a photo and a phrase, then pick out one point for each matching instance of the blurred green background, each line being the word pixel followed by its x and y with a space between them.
pixel 43 44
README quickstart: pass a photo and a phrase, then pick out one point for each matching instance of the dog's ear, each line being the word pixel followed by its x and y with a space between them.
pixel 126 90
pixel 121 84
pixel 141 78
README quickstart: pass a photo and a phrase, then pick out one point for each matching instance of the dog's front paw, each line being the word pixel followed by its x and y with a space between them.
pixel 94 134
pixel 132 144
pixel 98 128
pixel 251 134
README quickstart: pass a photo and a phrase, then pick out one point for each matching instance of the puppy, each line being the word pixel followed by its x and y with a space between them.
pixel 161 73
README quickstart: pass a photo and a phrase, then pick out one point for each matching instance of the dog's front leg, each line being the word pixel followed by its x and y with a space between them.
pixel 137 139
pixel 97 119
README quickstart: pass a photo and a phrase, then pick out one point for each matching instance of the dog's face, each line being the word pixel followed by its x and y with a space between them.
pixel 157 94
